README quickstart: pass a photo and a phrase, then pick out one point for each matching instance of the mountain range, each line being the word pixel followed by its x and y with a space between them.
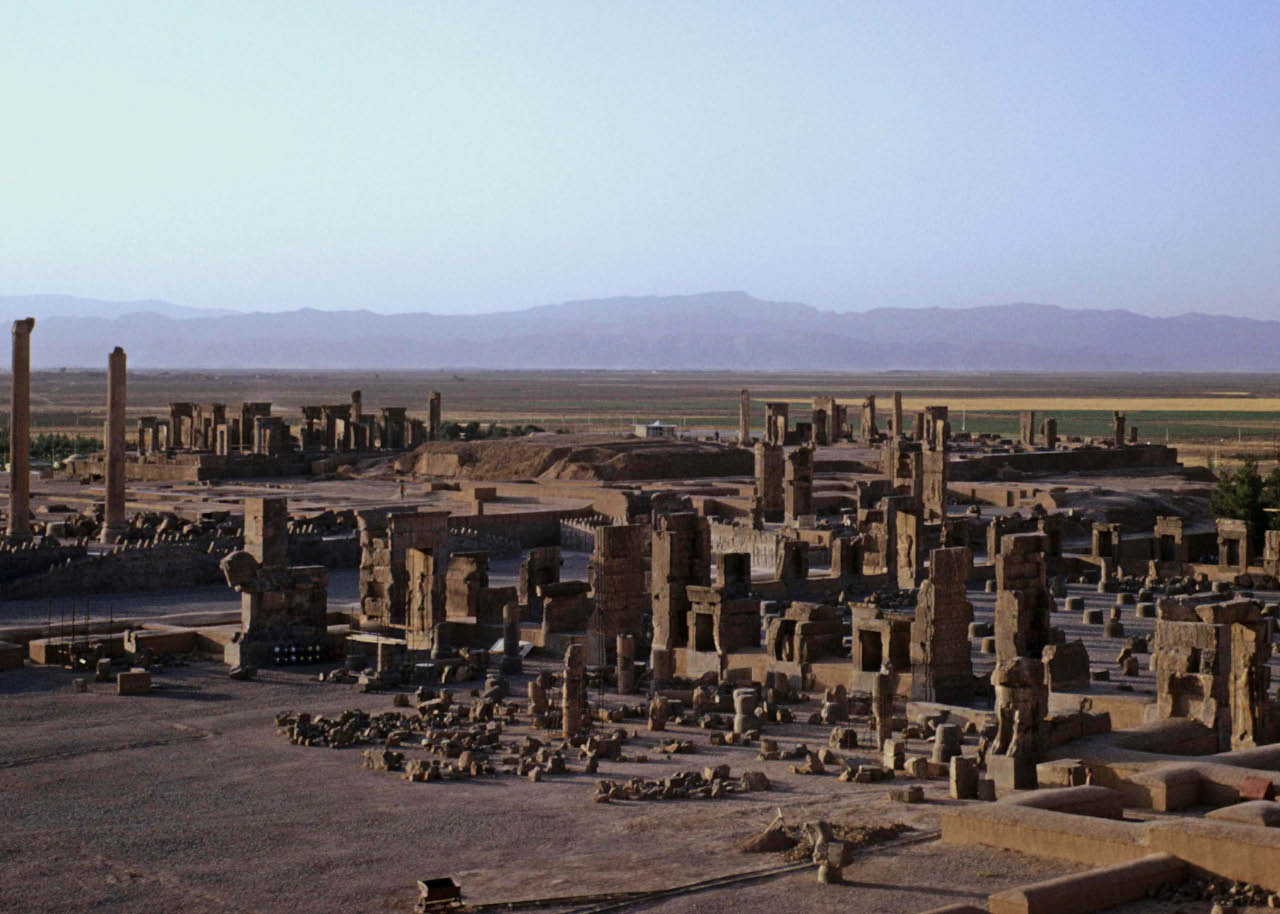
pixel 711 330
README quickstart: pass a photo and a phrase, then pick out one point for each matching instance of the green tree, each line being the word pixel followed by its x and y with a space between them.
pixel 1271 497
pixel 1239 495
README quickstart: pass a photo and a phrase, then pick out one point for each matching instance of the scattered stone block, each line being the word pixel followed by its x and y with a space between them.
pixel 11 655
pixel 133 682
pixel 915 766
pixel 912 794
pixel 963 783
pixel 894 754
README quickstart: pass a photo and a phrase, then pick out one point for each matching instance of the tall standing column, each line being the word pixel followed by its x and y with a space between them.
pixel 744 418
pixel 20 431
pixel 433 416
pixel 113 516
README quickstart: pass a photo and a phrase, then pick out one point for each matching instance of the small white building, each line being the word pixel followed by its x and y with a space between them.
pixel 656 429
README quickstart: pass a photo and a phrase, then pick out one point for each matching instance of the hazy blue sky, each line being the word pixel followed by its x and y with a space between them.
pixel 475 156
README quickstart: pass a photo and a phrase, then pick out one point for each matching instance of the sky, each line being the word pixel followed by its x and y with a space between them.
pixel 473 156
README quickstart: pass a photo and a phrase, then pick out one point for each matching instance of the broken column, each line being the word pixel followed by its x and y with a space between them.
pixel 1049 430
pixel 770 463
pixel 113 516
pixel 433 416
pixel 354 437
pixel 20 431
pixel 882 707
pixel 1027 428
pixel 512 664
pixel 574 694
pixel 744 418
pixel 798 484
pixel 626 664
pixel 942 666
pixel 869 433
pixel 744 710
pixel 898 430
pixel 1118 418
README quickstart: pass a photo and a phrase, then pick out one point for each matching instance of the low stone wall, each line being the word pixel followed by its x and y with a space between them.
pixel 23 560
pixel 762 545
pixel 159 567
pixel 1084 459
pixel 164 565
pixel 527 528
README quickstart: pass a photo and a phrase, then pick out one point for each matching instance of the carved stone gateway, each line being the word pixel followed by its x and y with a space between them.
pixel 283 610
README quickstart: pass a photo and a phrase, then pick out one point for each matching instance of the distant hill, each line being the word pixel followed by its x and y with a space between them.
pixel 713 330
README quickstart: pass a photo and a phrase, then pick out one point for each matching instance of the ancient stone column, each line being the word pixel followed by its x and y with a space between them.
pixel 882 707
pixel 744 418
pixel 1049 430
pixel 573 695
pixel 898 430
pixel 20 431
pixel 626 664
pixel 659 712
pixel 433 417
pixel 352 436
pixel 537 697
pixel 113 518
pixel 511 662
pixel 662 662
pixel 744 710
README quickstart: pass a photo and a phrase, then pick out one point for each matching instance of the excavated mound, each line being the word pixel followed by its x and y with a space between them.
pixel 599 459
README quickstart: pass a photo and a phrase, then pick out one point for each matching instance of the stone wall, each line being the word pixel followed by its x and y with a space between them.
pixel 974 469
pixel 142 567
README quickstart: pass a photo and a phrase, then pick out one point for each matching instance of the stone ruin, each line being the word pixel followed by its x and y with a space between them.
pixel 540 567
pixel 1022 631
pixel 1027 428
pixel 1210 663
pixel 869 433
pixel 768 499
pixel 282 608
pixel 681 558
pixel 942 665
pixel 1234 554
pixel 619 576
pixel 723 619
pixel 798 484
pixel 404 561
pixel 1023 601
pixel 776 422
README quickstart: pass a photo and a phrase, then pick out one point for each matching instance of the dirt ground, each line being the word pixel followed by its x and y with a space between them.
pixel 187 799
